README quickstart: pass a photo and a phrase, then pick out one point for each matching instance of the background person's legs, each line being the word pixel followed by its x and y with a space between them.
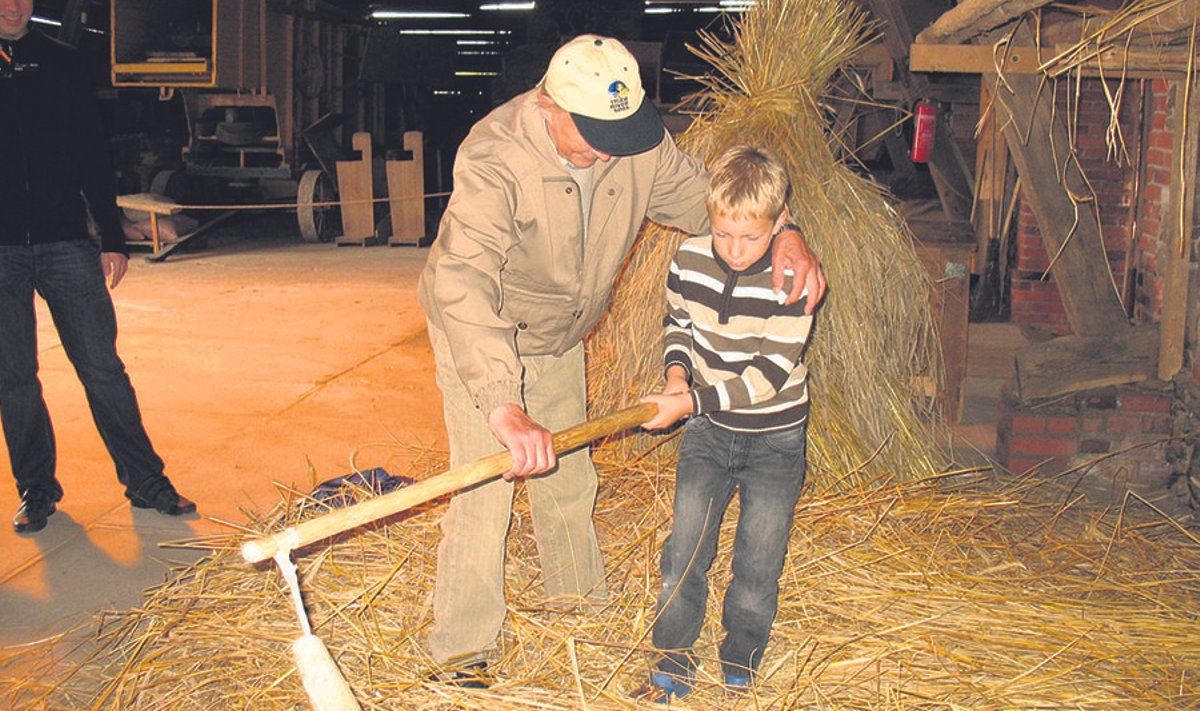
pixel 26 421
pixel 71 280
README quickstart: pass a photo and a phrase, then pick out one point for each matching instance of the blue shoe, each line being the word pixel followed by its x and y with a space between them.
pixel 737 683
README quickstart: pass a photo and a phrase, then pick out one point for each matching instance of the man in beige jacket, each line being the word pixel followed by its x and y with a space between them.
pixel 550 190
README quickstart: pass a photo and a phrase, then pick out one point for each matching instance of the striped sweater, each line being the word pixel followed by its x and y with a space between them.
pixel 740 346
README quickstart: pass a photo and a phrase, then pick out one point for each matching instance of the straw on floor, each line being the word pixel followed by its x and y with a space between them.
pixel 959 591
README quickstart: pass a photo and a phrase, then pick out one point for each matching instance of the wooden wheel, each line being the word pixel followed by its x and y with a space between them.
pixel 317 219
pixel 173 184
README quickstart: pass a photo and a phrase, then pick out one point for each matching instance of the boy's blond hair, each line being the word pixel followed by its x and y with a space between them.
pixel 747 182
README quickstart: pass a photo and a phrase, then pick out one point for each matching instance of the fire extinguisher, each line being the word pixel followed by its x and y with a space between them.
pixel 924 125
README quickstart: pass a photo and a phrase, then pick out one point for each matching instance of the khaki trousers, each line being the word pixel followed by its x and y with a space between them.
pixel 468 595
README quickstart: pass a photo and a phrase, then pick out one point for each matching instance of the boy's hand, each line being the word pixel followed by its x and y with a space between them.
pixel 792 252
pixel 671 408
pixel 531 445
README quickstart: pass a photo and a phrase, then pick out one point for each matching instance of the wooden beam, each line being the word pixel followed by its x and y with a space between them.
pixel 1074 363
pixel 1038 142
pixel 1180 17
pixel 1134 62
pixel 1180 233
pixel 973 17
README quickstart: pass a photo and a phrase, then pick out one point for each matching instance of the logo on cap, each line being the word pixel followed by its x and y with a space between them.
pixel 618 97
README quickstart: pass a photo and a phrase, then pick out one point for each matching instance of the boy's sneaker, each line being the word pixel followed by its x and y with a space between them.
pixel 661 688
pixel 737 684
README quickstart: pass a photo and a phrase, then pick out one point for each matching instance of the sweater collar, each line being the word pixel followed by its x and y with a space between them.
pixel 760 266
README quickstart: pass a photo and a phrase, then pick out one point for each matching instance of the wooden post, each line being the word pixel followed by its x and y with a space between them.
pixel 357 193
pixel 1178 245
pixel 406 192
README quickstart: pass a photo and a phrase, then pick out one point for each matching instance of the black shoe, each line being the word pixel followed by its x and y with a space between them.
pixel 162 497
pixel 36 507
pixel 471 676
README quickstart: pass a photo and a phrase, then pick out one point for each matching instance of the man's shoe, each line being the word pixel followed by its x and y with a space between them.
pixel 36 507
pixel 661 688
pixel 162 497
pixel 471 676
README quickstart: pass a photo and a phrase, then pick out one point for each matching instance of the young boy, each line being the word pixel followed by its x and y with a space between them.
pixel 732 365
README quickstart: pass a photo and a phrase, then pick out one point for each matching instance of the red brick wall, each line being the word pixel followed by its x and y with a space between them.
pixel 1113 173
pixel 1132 423
pixel 1156 199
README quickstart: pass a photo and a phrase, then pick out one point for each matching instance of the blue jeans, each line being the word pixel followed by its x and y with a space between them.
pixel 69 277
pixel 767 469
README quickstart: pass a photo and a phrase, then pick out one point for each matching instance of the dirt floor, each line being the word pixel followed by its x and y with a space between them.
pixel 259 360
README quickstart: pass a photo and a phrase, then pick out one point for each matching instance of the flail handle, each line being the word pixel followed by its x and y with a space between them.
pixel 478 471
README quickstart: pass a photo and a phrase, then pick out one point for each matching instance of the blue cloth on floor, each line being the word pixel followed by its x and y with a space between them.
pixel 341 491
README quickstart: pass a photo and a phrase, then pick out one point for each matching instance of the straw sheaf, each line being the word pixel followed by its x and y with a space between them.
pixel 874 341
pixel 947 592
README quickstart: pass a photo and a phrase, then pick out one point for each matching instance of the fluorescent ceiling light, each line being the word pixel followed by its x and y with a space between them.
pixel 466 42
pixel 476 74
pixel 44 21
pixel 454 32
pixel 415 15
pixel 524 6
pixel 662 10
pixel 747 4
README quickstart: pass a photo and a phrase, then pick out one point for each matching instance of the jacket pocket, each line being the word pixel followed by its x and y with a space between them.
pixel 542 319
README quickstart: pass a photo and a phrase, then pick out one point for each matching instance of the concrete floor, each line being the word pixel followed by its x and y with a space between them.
pixel 261 359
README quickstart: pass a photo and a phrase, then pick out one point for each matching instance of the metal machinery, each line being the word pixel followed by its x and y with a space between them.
pixel 234 63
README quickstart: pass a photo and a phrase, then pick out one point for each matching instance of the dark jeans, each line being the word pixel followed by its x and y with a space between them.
pixel 69 277
pixel 767 469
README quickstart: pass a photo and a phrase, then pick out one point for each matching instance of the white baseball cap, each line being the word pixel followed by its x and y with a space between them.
pixel 596 80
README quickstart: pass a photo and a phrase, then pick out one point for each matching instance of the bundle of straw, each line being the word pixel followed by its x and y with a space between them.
pixel 874 337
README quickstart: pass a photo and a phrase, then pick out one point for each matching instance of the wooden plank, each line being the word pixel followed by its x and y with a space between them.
pixel 973 17
pixel 995 179
pixel 356 191
pixel 406 192
pixel 1179 234
pixel 1037 140
pixel 1074 363
pixel 1133 62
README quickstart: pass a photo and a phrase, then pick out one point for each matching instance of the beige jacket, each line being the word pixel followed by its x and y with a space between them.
pixel 510 272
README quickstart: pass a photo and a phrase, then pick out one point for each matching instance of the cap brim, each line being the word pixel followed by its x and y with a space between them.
pixel 634 134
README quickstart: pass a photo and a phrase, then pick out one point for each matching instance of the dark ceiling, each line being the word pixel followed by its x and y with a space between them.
pixel 494 28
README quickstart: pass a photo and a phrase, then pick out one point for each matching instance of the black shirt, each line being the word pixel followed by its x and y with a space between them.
pixel 53 148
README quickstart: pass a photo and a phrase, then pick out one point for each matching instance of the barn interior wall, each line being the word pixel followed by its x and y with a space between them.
pixel 1124 165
